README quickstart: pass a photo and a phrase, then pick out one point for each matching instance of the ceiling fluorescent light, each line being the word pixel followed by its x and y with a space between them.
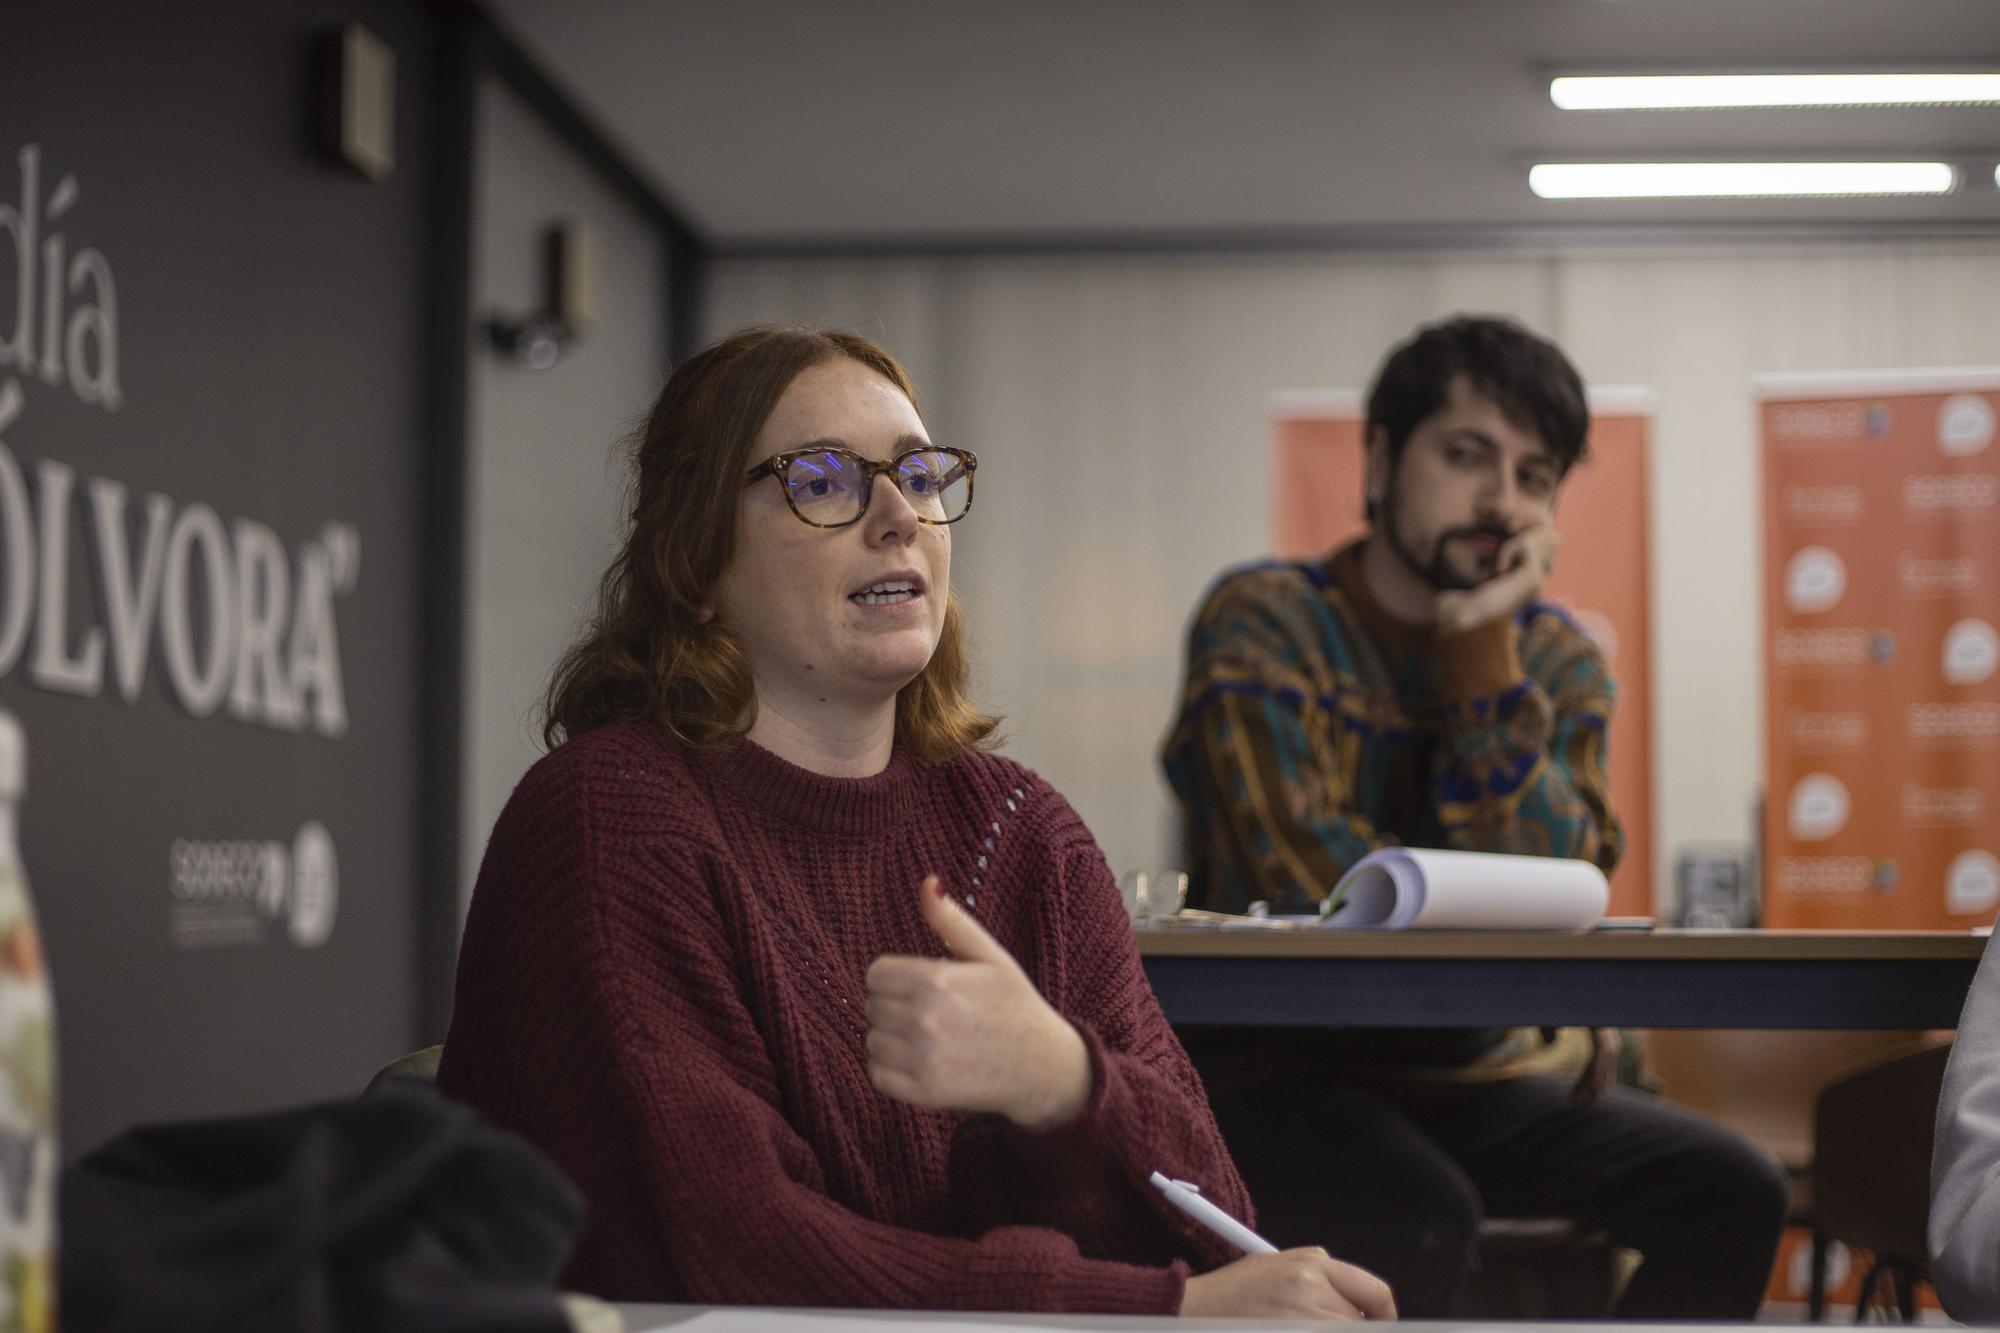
pixel 1659 180
pixel 1671 92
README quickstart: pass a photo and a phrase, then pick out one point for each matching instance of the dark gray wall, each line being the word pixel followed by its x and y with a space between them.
pixel 269 326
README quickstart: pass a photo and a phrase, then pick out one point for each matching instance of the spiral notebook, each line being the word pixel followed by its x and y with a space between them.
pixel 1412 888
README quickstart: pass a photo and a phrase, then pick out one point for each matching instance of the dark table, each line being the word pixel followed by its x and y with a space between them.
pixel 1655 979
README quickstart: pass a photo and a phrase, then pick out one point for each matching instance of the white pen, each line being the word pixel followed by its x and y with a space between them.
pixel 1187 1198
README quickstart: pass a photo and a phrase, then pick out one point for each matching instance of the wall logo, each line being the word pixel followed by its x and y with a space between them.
pixel 1815 581
pixel 238 893
pixel 1819 807
pixel 1971 649
pixel 238 620
pixel 75 339
pixel 1806 505
pixel 1811 425
pixel 1829 731
pixel 1952 723
pixel 1798 1269
pixel 1964 425
pixel 1832 875
pixel 1972 883
pixel 1950 493
pixel 1932 807
pixel 1822 647
pixel 1942 576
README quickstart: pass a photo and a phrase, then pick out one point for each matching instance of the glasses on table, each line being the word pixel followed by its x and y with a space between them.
pixel 830 488
pixel 1153 895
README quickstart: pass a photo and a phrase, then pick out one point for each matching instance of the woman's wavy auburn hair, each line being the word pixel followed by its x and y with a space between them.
pixel 649 653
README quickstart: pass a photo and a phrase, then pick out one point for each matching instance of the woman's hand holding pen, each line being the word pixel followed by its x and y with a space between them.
pixel 1292 1284
pixel 971 1033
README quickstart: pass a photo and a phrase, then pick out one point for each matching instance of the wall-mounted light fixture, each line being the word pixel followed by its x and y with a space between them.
pixel 538 340
pixel 358 101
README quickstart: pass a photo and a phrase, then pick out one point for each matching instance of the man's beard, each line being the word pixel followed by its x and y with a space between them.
pixel 1436 572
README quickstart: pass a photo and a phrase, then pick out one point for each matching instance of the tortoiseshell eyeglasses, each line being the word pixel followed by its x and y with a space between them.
pixel 830 488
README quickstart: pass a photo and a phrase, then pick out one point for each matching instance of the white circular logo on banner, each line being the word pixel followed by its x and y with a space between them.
pixel 1799 1268
pixel 1815 580
pixel 274 873
pixel 1597 627
pixel 1972 884
pixel 315 885
pixel 1965 424
pixel 1819 807
pixel 1971 650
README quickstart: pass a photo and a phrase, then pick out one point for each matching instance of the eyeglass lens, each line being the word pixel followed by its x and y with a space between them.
pixel 829 487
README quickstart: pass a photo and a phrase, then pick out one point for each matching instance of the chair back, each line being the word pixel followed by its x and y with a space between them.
pixel 417 1064
pixel 1872 1133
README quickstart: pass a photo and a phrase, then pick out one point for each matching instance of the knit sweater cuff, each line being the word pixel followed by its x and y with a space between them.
pixel 1480 662
pixel 1092 1130
pixel 1122 1289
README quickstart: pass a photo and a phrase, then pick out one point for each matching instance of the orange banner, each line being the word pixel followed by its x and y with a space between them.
pixel 1791 1278
pixel 1316 487
pixel 1882 731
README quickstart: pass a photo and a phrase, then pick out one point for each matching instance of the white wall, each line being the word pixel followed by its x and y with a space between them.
pixel 1116 406
pixel 543 474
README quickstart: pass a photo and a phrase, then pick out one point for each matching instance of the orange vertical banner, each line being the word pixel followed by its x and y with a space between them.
pixel 1600 577
pixel 1882 705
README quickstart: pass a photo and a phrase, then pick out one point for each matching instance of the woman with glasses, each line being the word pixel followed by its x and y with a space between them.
pixel 817 1000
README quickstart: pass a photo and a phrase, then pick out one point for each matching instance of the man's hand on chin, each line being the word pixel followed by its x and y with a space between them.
pixel 1521 566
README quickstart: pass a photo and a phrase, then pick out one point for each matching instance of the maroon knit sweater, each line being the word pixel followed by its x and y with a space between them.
pixel 661 985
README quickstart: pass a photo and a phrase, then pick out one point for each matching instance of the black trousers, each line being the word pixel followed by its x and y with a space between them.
pixel 1397 1178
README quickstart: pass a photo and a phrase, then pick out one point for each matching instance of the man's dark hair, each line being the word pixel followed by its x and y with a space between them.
pixel 1527 377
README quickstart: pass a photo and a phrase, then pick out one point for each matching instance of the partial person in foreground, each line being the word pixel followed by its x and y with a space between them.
pixel 1414 689
pixel 818 1000
pixel 1965 1159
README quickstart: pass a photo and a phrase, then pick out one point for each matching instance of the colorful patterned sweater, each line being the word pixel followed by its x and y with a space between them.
pixel 1315 728
pixel 662 986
